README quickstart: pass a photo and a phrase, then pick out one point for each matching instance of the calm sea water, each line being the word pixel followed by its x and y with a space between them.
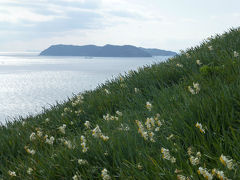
pixel 29 82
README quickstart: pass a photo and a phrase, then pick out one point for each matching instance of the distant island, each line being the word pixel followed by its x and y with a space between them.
pixel 104 51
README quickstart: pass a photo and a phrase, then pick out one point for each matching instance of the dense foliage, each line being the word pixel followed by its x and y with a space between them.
pixel 179 119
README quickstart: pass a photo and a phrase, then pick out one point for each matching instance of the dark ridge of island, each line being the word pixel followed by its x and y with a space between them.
pixel 104 51
pixel 159 52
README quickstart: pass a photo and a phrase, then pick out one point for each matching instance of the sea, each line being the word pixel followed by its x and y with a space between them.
pixel 29 82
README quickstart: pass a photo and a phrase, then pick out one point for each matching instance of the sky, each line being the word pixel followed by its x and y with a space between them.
pixel 27 25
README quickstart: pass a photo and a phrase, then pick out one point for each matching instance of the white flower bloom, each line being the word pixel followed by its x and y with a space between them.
pixel 29 171
pixel 105 138
pixel 194 160
pixel 191 90
pixel 219 174
pixel 23 123
pixel 236 54
pixel 205 173
pixel 107 117
pixel 210 48
pixel 166 155
pixel 96 132
pixel 47 120
pixel 170 137
pixel 87 124
pixel 46 136
pixel 39 133
pixel 227 162
pixel 67 110
pixel 139 124
pixel 189 151
pixel 62 128
pixel 188 55
pixel 33 136
pixel 141 130
pixel 148 123
pixel 196 87
pixel 68 144
pixel 83 144
pixel 74 104
pixel 179 65
pixel 151 134
pixel 29 151
pixel 136 90
pixel 12 173
pixel 173 159
pixel 139 166
pixel 84 148
pixel 83 139
pixel 198 62
pixel 159 123
pixel 105 174
pixel 79 100
pixel 106 91
pixel 145 135
pixel 76 177
pixel 80 97
pixel 198 154
pixel 82 162
pixel 32 151
pixel 119 113
pixel 149 106
pixel 50 140
pixel 181 177
pixel 198 125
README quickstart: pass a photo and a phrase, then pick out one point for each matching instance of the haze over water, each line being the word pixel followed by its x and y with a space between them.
pixel 29 82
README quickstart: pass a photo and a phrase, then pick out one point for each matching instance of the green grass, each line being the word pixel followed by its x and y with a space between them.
pixel 126 154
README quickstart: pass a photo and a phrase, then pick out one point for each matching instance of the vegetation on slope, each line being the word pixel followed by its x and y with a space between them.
pixel 175 120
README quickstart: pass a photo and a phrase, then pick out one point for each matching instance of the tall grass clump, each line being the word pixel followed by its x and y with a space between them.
pixel 179 119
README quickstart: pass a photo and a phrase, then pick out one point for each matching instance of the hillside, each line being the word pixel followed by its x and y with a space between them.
pixel 104 51
pixel 174 120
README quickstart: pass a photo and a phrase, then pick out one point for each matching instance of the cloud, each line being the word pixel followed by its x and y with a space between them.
pixel 43 18
pixel 81 22
pixel 72 20
pixel 163 24
pixel 19 14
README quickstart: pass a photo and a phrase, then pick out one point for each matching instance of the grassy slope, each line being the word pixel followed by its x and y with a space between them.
pixel 127 155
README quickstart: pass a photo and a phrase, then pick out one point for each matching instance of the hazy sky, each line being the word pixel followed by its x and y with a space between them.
pixel 164 24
